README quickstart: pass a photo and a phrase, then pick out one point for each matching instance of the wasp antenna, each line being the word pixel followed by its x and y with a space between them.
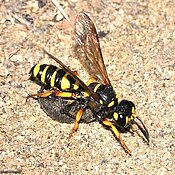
pixel 142 129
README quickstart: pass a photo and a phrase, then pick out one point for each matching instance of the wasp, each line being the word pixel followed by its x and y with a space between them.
pixel 97 95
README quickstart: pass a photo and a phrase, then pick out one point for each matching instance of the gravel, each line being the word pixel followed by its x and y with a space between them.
pixel 139 53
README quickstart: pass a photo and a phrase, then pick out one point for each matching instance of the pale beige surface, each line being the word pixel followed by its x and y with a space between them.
pixel 139 53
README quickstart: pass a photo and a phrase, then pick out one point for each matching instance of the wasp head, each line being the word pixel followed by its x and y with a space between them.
pixel 125 115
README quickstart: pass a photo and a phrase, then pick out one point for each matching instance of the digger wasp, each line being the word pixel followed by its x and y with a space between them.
pixel 97 95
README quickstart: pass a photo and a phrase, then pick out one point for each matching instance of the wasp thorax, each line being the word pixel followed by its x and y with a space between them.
pixel 107 96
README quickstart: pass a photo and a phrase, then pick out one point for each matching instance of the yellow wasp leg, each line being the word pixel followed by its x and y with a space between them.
pixel 77 119
pixel 117 134
pixel 42 94
pixel 64 94
pixel 55 92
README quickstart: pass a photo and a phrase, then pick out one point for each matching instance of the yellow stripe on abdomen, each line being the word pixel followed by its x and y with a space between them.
pixel 65 83
pixel 36 70
pixel 76 85
pixel 44 74
pixel 52 80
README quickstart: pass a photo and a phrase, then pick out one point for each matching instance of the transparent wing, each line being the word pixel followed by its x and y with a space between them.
pixel 88 41
pixel 66 69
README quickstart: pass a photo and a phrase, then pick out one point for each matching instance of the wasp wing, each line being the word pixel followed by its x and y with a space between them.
pixel 88 41
pixel 81 83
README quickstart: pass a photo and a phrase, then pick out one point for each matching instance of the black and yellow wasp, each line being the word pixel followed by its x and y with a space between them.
pixel 97 95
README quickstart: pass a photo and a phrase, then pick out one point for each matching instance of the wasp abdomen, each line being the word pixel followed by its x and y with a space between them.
pixel 53 76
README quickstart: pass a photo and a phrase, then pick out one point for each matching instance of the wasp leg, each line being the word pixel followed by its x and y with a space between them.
pixel 50 92
pixel 77 119
pixel 64 94
pixel 41 94
pixel 117 134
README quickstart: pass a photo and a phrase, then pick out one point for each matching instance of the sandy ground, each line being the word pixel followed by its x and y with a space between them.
pixel 139 52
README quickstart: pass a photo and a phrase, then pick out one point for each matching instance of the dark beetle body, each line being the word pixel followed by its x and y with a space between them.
pixel 63 110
